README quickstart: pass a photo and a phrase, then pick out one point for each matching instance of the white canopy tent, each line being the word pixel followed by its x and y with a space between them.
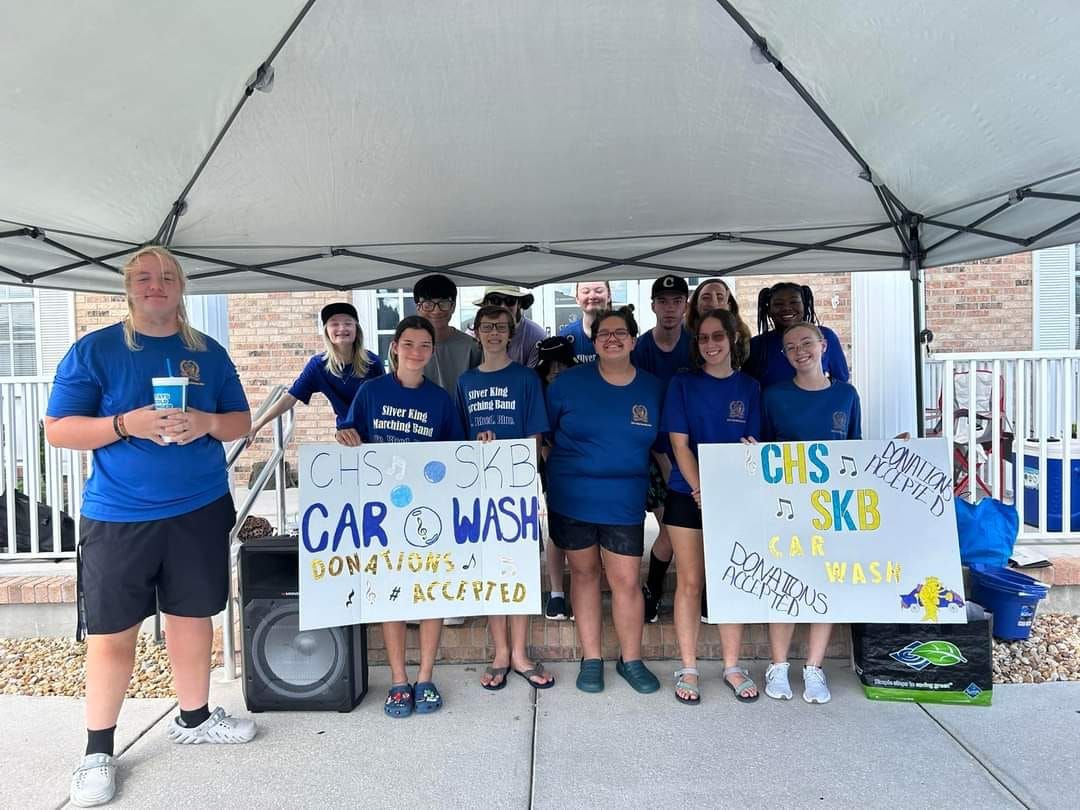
pixel 281 145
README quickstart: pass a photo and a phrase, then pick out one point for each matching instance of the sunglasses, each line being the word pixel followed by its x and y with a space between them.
pixel 501 300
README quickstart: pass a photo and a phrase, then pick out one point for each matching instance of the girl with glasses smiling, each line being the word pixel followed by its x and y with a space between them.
pixel 605 420
pixel 716 404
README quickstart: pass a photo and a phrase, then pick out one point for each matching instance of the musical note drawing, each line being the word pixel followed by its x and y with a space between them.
pixel 422 527
pixel 780 504
pixel 507 567
pixel 750 463
pixel 370 594
pixel 844 461
pixel 348 601
pixel 397 468
pixel 470 563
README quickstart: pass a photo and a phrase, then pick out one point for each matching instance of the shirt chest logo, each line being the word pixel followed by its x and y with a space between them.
pixel 639 415
pixel 839 421
pixel 737 411
pixel 190 369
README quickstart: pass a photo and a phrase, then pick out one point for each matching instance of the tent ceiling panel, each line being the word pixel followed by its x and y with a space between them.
pixel 107 108
pixel 404 121
pixel 945 101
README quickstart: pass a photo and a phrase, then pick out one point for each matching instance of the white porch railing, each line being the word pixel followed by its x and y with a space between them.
pixel 1011 419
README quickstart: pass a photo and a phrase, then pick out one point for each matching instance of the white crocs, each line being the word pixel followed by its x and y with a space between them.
pixel 815 687
pixel 94 781
pixel 776 681
pixel 217 728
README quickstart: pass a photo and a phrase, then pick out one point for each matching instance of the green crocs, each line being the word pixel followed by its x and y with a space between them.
pixel 638 676
pixel 591 675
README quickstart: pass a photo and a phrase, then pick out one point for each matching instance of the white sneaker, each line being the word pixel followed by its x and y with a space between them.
pixel 776 681
pixel 217 728
pixel 94 781
pixel 815 687
pixel 453 621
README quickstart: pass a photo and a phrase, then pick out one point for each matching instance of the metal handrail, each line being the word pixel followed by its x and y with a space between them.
pixel 283 432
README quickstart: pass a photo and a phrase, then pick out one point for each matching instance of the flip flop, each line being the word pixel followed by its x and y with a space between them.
pixel 744 687
pixel 536 671
pixel 495 672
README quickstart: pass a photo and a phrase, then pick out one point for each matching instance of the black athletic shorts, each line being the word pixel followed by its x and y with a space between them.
pixel 681 510
pixel 576 535
pixel 127 569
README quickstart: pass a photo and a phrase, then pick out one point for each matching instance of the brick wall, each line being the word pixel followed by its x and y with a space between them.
pixel 94 311
pixel 981 306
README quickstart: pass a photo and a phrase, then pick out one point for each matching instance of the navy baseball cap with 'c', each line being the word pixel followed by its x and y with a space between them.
pixel 670 285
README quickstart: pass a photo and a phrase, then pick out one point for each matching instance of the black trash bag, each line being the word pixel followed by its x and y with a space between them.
pixel 45 526
pixel 926 663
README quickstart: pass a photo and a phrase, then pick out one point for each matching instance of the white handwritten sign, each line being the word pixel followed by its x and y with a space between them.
pixel 831 532
pixel 417 531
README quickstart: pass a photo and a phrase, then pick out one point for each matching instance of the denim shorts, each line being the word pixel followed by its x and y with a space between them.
pixel 576 535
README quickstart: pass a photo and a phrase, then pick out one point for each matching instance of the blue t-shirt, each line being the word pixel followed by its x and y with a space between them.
pixel 341 391
pixel 598 470
pixel 662 365
pixel 584 351
pixel 384 410
pixel 768 365
pixel 790 414
pixel 507 402
pixel 138 480
pixel 710 411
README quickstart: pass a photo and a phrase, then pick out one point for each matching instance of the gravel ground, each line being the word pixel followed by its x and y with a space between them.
pixel 55 666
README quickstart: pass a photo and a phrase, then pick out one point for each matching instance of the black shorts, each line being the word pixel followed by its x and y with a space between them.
pixel 180 563
pixel 657 491
pixel 576 535
pixel 681 511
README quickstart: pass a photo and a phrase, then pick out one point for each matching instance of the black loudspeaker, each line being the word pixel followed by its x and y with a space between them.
pixel 286 668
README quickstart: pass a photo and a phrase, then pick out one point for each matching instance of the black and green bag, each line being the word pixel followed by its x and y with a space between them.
pixel 925 663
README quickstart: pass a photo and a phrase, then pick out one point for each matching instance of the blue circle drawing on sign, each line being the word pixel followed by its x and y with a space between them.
pixel 422 527
pixel 434 471
pixel 401 495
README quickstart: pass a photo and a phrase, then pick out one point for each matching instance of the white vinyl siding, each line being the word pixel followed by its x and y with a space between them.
pixel 1055 313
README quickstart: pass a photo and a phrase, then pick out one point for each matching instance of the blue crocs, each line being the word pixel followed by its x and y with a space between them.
pixel 399 702
pixel 427 699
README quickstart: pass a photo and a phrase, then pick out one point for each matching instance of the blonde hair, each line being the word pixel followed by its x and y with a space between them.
pixel 360 360
pixel 192 339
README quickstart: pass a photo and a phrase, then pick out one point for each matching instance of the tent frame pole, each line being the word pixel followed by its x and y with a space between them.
pixel 915 270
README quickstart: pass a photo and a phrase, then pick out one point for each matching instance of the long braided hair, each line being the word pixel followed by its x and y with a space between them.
pixel 765 298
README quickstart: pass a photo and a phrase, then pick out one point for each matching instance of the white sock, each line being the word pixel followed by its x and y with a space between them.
pixel 555 594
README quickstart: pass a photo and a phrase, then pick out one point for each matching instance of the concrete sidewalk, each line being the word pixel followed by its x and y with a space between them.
pixel 561 748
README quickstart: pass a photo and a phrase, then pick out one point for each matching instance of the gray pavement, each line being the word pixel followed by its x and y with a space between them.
pixel 561 748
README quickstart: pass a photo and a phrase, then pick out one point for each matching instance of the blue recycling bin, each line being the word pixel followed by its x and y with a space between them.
pixel 1032 483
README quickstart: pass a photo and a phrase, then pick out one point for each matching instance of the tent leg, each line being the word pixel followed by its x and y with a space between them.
pixel 915 269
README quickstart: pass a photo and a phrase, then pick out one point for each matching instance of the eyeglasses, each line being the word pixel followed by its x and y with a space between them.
pixel 501 301
pixel 802 345
pixel 443 304
pixel 488 328
pixel 716 337
pixel 619 334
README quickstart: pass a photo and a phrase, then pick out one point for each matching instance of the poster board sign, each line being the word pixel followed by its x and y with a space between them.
pixel 852 531
pixel 392 532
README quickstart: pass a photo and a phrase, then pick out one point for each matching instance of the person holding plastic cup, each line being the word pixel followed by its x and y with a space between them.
pixel 156 512
pixel 337 372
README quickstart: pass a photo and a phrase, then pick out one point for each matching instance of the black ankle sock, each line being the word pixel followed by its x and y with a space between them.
pixel 100 741
pixel 195 717
pixel 657 571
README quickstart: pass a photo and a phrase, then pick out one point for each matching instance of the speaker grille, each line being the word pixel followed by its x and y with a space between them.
pixel 292 663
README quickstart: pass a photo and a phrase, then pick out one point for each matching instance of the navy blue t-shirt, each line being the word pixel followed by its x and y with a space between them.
pixel 507 402
pixel 138 480
pixel 340 391
pixel 384 410
pixel 768 365
pixel 710 411
pixel 662 365
pixel 790 414
pixel 584 351
pixel 598 470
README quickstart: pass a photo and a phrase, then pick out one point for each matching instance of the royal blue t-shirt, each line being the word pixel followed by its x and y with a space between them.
pixel 710 411
pixel 507 402
pixel 768 365
pixel 662 365
pixel 790 414
pixel 340 391
pixel 138 480
pixel 584 351
pixel 598 470
pixel 384 410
